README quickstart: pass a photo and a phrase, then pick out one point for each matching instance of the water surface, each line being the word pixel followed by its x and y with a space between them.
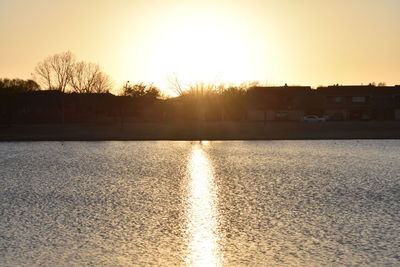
pixel 257 203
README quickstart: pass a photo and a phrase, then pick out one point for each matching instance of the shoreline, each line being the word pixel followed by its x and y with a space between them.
pixel 191 131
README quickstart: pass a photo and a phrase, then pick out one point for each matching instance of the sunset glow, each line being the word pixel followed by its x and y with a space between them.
pixel 274 42
pixel 196 49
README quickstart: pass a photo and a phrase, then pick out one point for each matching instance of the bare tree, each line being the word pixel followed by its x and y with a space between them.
pixel 88 78
pixel 54 72
pixel 174 84
pixel 200 89
pixel 44 75
pixel 102 83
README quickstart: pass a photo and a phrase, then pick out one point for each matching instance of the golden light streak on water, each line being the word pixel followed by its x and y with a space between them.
pixel 202 212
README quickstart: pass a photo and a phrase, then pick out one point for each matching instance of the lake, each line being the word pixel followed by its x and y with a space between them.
pixel 219 203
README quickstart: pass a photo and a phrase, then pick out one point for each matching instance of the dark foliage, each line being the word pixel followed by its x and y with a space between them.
pixel 141 90
pixel 12 86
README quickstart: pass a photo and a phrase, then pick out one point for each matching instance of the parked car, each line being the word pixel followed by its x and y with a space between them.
pixel 313 118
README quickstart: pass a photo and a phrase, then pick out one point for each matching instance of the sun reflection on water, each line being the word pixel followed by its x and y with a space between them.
pixel 202 212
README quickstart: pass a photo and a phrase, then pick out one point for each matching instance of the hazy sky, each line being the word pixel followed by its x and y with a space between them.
pixel 308 42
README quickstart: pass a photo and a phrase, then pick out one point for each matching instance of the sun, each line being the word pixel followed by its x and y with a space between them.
pixel 202 47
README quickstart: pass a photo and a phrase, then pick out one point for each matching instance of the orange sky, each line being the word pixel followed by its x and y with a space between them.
pixel 309 42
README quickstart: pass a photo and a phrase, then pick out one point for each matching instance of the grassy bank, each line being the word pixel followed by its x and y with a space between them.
pixel 202 131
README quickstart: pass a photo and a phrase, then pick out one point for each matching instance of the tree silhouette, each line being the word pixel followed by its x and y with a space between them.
pixel 55 71
pixel 18 86
pixel 88 78
pixel 140 90
pixel 62 72
pixel 175 84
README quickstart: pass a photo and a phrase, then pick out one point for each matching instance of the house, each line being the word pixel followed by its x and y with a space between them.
pixel 350 102
pixel 360 102
pixel 284 103
pixel 347 102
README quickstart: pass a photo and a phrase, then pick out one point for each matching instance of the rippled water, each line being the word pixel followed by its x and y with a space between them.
pixel 254 203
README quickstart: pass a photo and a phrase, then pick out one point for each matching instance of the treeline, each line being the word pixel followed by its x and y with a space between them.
pixel 64 89
pixel 63 72
pixel 11 86
pixel 137 102
pixel 203 101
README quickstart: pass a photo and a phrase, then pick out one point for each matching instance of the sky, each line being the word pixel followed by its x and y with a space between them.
pixel 298 42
